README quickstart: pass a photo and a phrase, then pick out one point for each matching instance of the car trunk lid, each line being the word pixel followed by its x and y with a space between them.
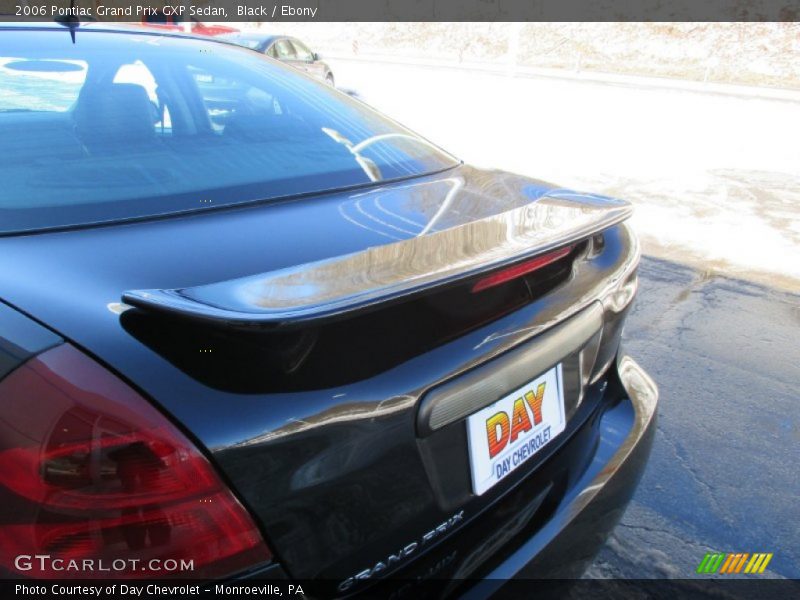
pixel 297 341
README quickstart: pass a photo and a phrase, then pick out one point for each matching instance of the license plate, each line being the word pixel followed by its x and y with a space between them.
pixel 506 434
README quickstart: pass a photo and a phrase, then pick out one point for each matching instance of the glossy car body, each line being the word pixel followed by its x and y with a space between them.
pixel 287 49
pixel 309 345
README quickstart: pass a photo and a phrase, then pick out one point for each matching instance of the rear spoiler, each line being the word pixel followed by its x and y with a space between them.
pixel 352 282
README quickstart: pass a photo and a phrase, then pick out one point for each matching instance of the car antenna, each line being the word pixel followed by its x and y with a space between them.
pixel 70 20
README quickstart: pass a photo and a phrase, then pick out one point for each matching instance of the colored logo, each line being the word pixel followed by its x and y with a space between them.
pixel 734 562
pixel 502 429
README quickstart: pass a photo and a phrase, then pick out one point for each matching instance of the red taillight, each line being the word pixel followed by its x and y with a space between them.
pixel 519 270
pixel 89 470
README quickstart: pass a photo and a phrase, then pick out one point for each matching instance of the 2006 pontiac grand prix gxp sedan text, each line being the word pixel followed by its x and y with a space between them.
pixel 250 324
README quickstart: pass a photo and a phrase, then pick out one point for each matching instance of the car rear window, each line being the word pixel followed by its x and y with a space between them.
pixel 128 125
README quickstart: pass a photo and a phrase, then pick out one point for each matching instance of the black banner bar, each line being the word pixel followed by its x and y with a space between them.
pixel 397 589
pixel 173 11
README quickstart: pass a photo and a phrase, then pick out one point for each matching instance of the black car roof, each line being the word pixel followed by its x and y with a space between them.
pixel 113 27
pixel 93 25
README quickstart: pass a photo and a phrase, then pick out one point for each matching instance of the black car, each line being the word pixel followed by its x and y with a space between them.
pixel 287 49
pixel 251 328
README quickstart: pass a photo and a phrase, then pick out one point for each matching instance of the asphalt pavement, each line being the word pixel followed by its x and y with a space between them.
pixel 724 474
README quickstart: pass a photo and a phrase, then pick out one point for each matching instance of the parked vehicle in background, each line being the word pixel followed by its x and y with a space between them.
pixel 176 23
pixel 286 49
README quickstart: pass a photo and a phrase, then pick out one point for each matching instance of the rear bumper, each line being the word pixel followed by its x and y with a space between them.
pixel 564 546
pixel 565 542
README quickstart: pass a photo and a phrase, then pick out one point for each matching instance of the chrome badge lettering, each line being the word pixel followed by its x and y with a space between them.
pixel 403 553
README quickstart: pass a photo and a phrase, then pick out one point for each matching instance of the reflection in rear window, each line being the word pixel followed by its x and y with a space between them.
pixel 39 85
pixel 120 126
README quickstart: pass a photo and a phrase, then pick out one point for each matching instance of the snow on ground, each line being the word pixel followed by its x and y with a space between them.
pixel 715 178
